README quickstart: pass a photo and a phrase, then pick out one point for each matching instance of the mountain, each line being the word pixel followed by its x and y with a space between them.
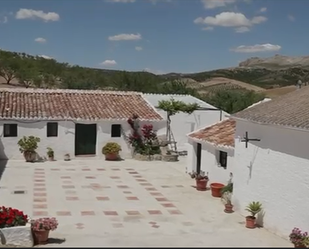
pixel 276 62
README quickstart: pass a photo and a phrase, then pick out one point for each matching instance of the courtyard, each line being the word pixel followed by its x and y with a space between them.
pixel 126 203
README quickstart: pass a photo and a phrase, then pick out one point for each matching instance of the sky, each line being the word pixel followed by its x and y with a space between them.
pixel 159 36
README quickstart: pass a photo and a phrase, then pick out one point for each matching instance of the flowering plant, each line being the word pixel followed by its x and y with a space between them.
pixel 44 224
pixel 10 217
pixel 299 238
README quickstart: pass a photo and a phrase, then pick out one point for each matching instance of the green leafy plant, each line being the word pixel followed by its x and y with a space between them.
pixel 111 148
pixel 199 176
pixel 50 152
pixel 28 144
pixel 227 188
pixel 254 208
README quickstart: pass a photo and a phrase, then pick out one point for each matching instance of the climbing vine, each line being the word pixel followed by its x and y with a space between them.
pixel 173 107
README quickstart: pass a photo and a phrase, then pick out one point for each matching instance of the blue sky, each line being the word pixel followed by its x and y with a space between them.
pixel 157 35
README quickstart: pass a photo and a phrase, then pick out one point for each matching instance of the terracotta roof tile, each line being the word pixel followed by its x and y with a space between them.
pixel 73 104
pixel 290 110
pixel 221 133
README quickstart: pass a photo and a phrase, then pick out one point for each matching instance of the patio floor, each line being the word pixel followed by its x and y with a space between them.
pixel 128 203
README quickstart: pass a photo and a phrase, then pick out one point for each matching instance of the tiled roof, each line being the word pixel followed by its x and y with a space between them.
pixel 74 105
pixel 219 134
pixel 289 110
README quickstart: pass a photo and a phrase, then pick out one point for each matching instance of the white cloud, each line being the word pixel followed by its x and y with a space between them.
pixel 256 48
pixel 45 57
pixel 40 40
pixel 154 71
pixel 125 37
pixel 37 14
pixel 230 19
pixel 212 4
pixel 291 18
pixel 120 1
pixel 108 63
pixel 264 9
pixel 138 48
pixel 242 30
pixel 208 28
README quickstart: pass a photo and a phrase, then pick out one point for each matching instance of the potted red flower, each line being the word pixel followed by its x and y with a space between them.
pixel 14 221
pixel 41 227
pixel 298 238
pixel 201 180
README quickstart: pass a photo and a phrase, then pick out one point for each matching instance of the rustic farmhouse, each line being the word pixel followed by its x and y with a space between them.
pixel 183 123
pixel 77 122
pixel 211 150
pixel 272 161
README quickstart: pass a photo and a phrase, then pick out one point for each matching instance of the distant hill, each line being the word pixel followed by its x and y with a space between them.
pixel 257 74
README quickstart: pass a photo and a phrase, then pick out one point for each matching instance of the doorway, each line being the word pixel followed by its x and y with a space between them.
pixel 85 139
pixel 198 157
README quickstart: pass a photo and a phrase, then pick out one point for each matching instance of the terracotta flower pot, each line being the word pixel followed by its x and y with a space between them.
pixel 216 189
pixel 228 208
pixel 250 222
pixel 30 156
pixel 51 158
pixel 111 157
pixel 201 184
pixel 299 246
pixel 40 237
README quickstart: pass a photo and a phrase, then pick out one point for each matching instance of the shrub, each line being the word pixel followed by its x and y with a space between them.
pixel 299 238
pixel 44 224
pixel 50 152
pixel 10 217
pixel 111 148
pixel 28 144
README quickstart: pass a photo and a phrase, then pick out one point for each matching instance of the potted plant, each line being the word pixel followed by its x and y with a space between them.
pixel 50 154
pixel 253 208
pixel 111 151
pixel 67 157
pixel 298 238
pixel 27 146
pixel 201 180
pixel 41 227
pixel 216 189
pixel 13 222
pixel 226 193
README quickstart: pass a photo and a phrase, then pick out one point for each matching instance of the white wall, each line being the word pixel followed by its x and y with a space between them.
pixel 183 123
pixel 209 161
pixel 65 141
pixel 274 171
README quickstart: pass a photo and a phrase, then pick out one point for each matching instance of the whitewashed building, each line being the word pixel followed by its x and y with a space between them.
pixel 77 122
pixel 212 151
pixel 274 170
pixel 183 123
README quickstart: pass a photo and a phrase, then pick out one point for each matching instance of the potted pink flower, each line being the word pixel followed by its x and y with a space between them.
pixel 41 227
pixel 298 238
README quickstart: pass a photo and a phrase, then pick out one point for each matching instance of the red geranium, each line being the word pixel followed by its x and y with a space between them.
pixel 10 217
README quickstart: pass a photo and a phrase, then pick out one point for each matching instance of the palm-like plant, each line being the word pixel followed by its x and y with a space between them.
pixel 254 208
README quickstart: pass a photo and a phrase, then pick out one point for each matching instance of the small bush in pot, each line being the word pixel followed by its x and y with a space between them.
pixel 50 154
pixel 27 146
pixel 253 208
pixel 41 228
pixel 298 238
pixel 226 193
pixel 67 157
pixel 201 180
pixel 111 151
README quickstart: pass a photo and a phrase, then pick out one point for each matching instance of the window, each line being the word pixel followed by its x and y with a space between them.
pixel 10 130
pixel 116 130
pixel 52 129
pixel 223 159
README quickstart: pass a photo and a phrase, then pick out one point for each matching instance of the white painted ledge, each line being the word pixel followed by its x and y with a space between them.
pixel 16 236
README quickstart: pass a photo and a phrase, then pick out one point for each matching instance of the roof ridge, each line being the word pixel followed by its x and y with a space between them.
pixel 41 90
pixel 164 94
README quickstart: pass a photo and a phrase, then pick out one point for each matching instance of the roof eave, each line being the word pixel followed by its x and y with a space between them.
pixel 218 146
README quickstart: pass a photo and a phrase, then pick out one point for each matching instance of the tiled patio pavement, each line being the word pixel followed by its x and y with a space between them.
pixel 128 203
